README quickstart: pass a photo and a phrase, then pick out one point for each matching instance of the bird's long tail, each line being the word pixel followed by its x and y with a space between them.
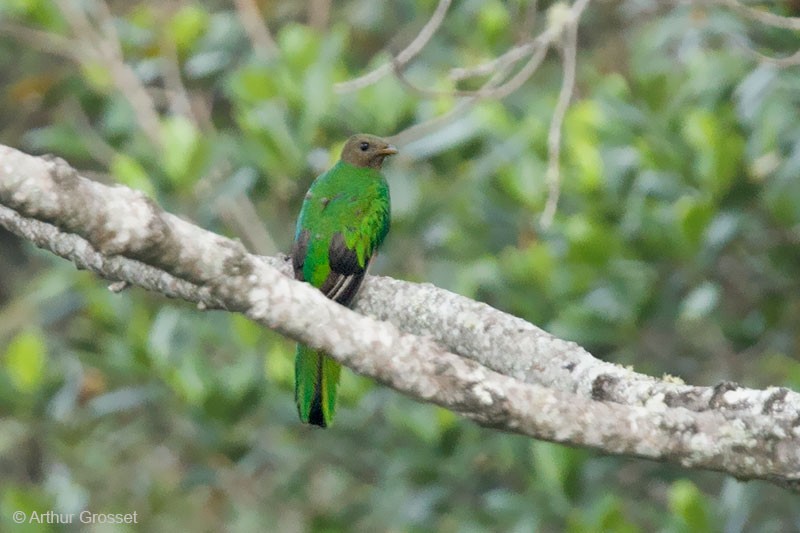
pixel 316 378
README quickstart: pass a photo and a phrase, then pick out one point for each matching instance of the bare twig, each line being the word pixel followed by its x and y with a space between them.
pixel 406 55
pixel 764 17
pixel 102 45
pixel 463 106
pixel 508 58
pixel 319 12
pixel 553 175
pixel 255 27
pixel 780 62
pixel 180 102
pixel 240 213
pixel 528 19
pixel 499 68
pixel 499 91
pixel 50 43
pixel 95 144
pixel 491 89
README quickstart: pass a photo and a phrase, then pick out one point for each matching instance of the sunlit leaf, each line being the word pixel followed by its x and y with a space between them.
pixel 187 25
pixel 24 360
pixel 181 141
pixel 690 506
pixel 129 172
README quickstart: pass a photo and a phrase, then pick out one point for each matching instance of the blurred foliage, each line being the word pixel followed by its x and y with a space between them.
pixel 674 249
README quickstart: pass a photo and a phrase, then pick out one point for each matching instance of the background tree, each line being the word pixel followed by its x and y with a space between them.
pixel 673 247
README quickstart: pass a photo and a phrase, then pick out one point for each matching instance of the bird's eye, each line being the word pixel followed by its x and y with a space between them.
pixel 364 146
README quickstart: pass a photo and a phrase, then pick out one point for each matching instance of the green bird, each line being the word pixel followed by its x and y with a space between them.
pixel 343 220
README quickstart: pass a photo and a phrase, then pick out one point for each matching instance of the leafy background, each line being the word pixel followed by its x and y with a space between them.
pixel 674 249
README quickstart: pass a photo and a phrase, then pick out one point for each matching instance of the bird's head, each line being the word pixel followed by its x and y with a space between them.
pixel 364 150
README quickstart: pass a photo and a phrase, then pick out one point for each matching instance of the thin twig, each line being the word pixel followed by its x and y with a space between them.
pixel 239 212
pixel 103 45
pixel 764 17
pixel 490 89
pixel 484 69
pixel 86 36
pixel 177 94
pixel 319 14
pixel 50 43
pixel 417 131
pixel 106 22
pixel 95 144
pixel 500 67
pixel 255 27
pixel 529 20
pixel 414 48
pixel 540 47
pixel 780 62
pixel 553 175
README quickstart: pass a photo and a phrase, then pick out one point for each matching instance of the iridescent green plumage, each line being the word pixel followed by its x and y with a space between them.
pixel 344 218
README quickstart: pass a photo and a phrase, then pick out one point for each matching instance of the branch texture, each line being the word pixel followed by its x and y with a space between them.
pixel 428 343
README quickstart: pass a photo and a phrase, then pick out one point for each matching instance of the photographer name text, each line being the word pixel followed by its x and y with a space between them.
pixel 84 517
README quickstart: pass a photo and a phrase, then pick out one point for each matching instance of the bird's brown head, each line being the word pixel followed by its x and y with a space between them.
pixel 364 150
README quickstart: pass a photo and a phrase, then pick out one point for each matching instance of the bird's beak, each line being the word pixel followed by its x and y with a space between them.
pixel 388 150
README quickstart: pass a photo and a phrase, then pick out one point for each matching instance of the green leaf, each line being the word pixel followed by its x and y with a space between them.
pixel 25 360
pixel 299 45
pixel 180 141
pixel 589 241
pixel 493 20
pixel 60 138
pixel 253 83
pixel 583 153
pixel 187 25
pixel 279 364
pixel 535 262
pixel 246 331
pixel 584 118
pixel 694 215
pixel 129 172
pixel 27 498
pixel 97 76
pixel 18 8
pixel 190 380
pixel 42 12
pixel 420 423
pixel 606 514
pixel 580 134
pixel 690 506
pixel 718 149
pixel 556 468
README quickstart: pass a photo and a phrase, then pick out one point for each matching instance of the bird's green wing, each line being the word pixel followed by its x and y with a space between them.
pixel 344 219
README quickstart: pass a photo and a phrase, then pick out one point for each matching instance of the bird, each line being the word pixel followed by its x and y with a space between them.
pixel 343 220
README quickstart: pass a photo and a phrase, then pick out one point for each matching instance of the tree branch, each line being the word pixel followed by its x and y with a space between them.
pixel 762 16
pixel 255 27
pixel 553 175
pixel 429 343
pixel 99 42
pixel 408 53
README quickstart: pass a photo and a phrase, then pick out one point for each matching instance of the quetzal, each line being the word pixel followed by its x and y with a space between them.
pixel 343 220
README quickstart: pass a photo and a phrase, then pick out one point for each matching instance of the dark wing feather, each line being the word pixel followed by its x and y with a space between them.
pixel 346 274
pixel 299 250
